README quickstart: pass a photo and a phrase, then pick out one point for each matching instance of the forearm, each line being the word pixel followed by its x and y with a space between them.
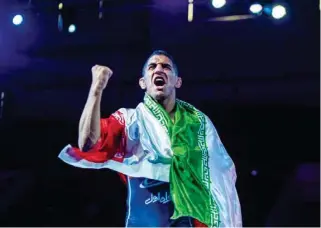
pixel 89 124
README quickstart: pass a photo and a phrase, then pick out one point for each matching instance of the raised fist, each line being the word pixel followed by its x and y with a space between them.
pixel 100 77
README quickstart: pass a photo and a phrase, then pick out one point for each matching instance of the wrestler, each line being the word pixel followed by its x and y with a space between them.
pixel 167 151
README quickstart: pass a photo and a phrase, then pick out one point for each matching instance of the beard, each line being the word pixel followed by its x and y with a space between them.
pixel 160 98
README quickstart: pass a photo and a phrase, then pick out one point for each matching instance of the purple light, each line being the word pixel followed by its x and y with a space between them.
pixel 254 173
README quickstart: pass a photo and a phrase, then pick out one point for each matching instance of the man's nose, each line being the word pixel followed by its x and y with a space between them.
pixel 159 68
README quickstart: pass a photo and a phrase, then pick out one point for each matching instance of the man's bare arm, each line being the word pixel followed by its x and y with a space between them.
pixel 89 124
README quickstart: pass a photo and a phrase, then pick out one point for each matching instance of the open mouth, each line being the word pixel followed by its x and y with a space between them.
pixel 159 81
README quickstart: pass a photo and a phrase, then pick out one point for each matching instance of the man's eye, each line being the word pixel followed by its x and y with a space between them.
pixel 167 66
pixel 152 66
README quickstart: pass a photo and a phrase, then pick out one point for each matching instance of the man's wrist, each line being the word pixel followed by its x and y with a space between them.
pixel 94 92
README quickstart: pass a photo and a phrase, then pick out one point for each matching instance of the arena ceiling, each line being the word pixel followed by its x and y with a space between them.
pixel 252 61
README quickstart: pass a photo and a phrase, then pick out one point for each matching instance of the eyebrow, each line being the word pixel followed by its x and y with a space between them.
pixel 163 64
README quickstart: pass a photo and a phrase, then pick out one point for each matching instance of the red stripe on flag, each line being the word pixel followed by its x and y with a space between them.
pixel 112 142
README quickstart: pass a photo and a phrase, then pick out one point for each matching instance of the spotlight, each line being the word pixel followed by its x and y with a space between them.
pixel 17 20
pixel 66 20
pixel 60 17
pixel 101 5
pixel 256 8
pixel 278 12
pixel 190 13
pixel 71 28
pixel 254 172
pixel 218 3
pixel 60 6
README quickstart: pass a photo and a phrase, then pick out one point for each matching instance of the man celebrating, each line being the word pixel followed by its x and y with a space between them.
pixel 168 152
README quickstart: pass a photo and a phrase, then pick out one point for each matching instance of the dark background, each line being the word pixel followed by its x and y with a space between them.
pixel 257 79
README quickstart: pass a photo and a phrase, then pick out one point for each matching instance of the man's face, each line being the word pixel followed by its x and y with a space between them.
pixel 160 79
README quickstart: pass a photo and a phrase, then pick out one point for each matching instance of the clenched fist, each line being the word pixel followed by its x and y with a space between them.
pixel 100 77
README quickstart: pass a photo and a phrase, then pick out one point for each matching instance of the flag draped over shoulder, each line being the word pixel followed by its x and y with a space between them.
pixel 188 153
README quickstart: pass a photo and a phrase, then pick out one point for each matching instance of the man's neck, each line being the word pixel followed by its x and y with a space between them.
pixel 169 105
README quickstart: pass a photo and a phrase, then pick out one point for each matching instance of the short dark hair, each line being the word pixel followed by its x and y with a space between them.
pixel 161 52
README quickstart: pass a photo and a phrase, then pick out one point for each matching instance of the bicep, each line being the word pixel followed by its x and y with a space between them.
pixel 112 134
pixel 112 139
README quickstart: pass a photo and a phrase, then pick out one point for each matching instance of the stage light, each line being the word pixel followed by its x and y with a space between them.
pixel 256 8
pixel 278 12
pixel 17 20
pixel 60 6
pixel 254 172
pixel 71 28
pixel 101 5
pixel 218 3
pixel 190 13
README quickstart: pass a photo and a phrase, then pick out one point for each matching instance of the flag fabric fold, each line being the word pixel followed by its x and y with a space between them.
pixel 187 153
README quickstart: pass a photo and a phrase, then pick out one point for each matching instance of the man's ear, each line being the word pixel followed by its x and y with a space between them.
pixel 178 83
pixel 142 83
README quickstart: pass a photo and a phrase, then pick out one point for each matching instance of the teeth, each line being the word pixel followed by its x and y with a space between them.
pixel 159 79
